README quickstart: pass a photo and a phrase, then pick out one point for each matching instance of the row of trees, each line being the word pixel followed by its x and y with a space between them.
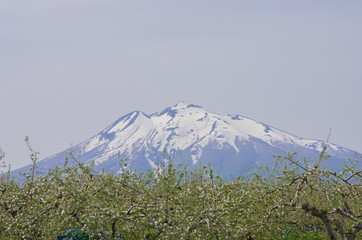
pixel 294 200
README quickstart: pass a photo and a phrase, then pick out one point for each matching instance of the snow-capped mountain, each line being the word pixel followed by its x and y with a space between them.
pixel 191 134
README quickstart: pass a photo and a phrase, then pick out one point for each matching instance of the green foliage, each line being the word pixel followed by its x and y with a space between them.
pixel 173 202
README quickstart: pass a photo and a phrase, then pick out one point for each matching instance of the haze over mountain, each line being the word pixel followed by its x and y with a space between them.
pixel 190 134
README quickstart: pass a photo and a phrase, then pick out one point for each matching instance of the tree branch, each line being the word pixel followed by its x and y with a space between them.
pixel 323 216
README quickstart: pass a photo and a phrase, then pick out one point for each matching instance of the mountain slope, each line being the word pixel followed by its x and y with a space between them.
pixel 193 135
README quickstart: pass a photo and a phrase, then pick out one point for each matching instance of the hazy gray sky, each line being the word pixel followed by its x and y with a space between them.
pixel 69 68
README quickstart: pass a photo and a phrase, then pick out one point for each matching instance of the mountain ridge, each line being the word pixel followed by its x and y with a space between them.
pixel 231 143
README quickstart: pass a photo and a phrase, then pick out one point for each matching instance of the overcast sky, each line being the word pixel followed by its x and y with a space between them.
pixel 69 68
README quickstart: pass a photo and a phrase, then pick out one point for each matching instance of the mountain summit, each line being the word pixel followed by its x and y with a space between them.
pixel 191 134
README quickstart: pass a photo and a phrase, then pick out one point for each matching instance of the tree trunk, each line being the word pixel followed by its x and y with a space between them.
pixel 323 216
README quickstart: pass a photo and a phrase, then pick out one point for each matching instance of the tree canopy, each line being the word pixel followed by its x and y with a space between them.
pixel 293 200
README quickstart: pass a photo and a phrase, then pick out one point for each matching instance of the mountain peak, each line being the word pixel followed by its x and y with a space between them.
pixel 180 105
pixel 229 143
pixel 183 105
